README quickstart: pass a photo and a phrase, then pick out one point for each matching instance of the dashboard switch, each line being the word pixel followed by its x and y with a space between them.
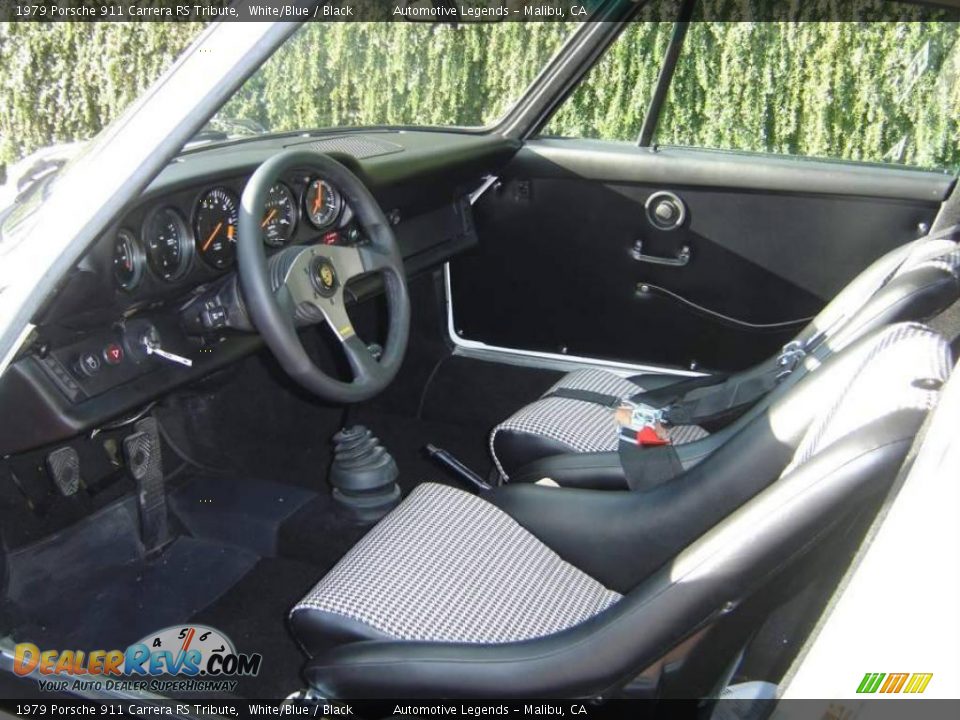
pixel 113 354
pixel 213 317
pixel 88 364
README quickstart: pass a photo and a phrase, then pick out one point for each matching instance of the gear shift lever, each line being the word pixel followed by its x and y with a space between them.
pixel 363 475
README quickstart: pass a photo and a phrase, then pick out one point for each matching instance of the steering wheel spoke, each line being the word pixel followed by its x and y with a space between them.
pixel 365 366
pixel 335 313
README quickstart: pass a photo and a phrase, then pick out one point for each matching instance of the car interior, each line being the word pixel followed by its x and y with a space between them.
pixel 354 399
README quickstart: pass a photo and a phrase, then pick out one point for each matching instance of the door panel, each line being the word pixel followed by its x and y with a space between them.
pixel 770 241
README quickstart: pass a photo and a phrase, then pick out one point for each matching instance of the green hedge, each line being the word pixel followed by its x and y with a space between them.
pixel 64 81
pixel 821 89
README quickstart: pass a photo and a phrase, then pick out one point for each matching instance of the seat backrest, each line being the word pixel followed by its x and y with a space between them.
pixel 841 311
pixel 892 372
pixel 845 461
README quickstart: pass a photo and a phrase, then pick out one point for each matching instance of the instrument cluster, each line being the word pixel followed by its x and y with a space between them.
pixel 196 233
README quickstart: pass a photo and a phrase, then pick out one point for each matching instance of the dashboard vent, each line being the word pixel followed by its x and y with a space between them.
pixel 359 146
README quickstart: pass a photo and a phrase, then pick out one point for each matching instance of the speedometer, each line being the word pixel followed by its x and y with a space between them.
pixel 279 216
pixel 168 243
pixel 215 227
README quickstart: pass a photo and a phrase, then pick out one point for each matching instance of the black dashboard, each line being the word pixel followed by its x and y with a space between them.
pixel 154 277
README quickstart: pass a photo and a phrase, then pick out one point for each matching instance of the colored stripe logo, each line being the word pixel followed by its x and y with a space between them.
pixel 913 683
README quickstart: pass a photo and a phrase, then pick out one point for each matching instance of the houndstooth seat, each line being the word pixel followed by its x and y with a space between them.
pixel 914 282
pixel 532 591
pixel 416 576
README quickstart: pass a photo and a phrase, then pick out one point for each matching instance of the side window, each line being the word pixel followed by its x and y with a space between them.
pixel 880 91
pixel 611 101
pixel 873 91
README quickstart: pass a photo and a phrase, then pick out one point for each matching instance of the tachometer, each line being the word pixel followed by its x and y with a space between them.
pixel 128 260
pixel 321 203
pixel 168 243
pixel 279 216
pixel 215 227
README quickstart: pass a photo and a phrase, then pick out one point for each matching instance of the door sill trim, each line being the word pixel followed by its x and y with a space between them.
pixel 545 360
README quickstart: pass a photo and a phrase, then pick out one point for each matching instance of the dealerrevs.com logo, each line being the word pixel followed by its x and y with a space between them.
pixel 910 683
pixel 185 658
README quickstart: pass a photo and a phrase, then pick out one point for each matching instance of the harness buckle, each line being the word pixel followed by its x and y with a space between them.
pixel 642 424
pixel 790 356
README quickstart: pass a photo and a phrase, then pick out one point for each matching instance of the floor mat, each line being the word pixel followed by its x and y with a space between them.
pixel 319 534
pixel 114 607
pixel 89 587
pixel 239 512
pixel 254 615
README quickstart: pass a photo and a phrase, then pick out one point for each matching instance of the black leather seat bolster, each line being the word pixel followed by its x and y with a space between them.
pixel 604 470
pixel 620 537
pixel 917 294
pixel 655 381
pixel 515 449
pixel 655 616
pixel 318 630
pixel 592 471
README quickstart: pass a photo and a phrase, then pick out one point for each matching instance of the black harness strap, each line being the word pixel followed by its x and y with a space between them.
pixel 674 392
pixel 724 397
pixel 589 396
pixel 647 467
pixel 720 401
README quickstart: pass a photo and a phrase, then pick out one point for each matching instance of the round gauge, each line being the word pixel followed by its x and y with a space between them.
pixel 168 244
pixel 215 227
pixel 128 260
pixel 279 216
pixel 322 203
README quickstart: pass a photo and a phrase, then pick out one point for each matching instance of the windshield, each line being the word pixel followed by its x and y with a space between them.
pixel 342 75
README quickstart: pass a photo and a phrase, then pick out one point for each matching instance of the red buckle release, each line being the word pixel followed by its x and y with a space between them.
pixel 648 435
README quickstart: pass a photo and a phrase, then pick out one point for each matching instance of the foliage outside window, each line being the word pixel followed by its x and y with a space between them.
pixel 327 75
pixel 863 91
pixel 610 103
pixel 878 92
pixel 358 74
pixel 64 81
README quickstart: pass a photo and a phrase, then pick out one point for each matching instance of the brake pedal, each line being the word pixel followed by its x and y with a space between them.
pixel 142 452
pixel 64 466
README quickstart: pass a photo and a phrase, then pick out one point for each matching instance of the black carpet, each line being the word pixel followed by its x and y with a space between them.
pixel 254 615
pixel 90 587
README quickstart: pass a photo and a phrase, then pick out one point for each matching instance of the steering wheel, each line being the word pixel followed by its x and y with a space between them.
pixel 303 284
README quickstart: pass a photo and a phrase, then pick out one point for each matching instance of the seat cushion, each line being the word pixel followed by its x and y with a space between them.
pixel 447 566
pixel 556 425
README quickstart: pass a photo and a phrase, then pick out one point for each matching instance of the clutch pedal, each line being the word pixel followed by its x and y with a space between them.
pixel 142 452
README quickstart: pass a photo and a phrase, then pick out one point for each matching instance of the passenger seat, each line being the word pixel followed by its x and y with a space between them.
pixel 571 432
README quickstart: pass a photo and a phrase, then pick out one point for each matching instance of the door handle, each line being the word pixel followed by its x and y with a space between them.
pixel 682 257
